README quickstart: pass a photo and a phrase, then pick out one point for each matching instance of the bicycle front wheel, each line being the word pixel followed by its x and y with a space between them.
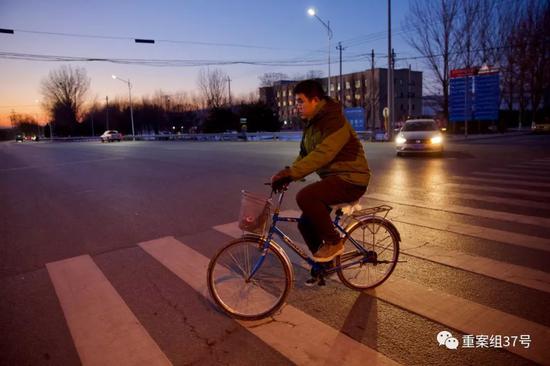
pixel 363 270
pixel 239 295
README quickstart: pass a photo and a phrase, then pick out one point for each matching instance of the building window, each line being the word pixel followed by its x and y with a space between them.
pixel 284 103
pixel 278 94
pixel 331 87
pixel 348 97
pixel 290 102
pixel 339 86
pixel 357 96
pixel 278 104
pixel 357 83
pixel 284 93
pixel 348 86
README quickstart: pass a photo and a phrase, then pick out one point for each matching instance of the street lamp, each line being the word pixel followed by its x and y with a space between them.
pixel 130 97
pixel 313 13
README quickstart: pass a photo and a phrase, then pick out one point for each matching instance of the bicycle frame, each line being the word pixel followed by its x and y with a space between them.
pixel 273 229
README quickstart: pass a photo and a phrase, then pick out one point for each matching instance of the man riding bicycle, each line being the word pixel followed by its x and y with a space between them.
pixel 331 148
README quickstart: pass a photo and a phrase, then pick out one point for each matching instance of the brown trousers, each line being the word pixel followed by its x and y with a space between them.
pixel 314 200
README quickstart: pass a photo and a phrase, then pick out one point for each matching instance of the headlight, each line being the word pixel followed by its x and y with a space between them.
pixel 436 140
pixel 400 139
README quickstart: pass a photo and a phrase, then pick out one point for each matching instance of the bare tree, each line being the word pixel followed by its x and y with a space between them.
pixel 269 78
pixel 432 28
pixel 467 27
pixel 213 87
pixel 64 92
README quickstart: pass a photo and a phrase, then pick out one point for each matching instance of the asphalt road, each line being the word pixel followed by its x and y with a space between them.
pixel 485 203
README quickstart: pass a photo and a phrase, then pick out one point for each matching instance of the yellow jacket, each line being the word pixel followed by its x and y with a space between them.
pixel 330 146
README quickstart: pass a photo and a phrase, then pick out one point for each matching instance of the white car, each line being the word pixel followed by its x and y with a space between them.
pixel 419 136
pixel 111 135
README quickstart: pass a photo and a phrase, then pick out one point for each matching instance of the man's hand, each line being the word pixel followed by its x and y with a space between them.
pixel 281 180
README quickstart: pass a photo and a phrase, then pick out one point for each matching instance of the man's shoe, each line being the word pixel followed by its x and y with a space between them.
pixel 311 282
pixel 328 252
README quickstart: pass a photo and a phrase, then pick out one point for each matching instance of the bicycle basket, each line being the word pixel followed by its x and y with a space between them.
pixel 255 212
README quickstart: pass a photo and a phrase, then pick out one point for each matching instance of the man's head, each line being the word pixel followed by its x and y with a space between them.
pixel 308 94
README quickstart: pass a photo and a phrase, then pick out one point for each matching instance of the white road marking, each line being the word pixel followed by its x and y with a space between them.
pixel 525 192
pixel 104 329
pixel 517 177
pixel 500 181
pixel 301 338
pixel 497 215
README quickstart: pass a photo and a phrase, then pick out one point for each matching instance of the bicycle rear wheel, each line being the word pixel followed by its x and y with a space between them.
pixel 252 299
pixel 375 266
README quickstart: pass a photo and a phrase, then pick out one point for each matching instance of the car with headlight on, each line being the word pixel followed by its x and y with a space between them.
pixel 419 136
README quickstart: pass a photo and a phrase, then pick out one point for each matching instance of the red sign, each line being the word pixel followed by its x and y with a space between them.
pixel 460 73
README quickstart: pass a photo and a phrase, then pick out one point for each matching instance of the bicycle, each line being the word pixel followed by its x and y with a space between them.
pixel 251 277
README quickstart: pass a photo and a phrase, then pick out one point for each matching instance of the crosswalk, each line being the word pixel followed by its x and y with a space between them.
pixel 105 330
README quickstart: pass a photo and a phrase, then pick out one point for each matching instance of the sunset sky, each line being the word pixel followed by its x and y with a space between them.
pixel 268 36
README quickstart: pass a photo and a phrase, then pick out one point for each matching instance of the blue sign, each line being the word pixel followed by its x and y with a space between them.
pixel 460 99
pixel 487 96
pixel 356 117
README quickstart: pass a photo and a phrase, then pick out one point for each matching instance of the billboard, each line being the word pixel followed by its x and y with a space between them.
pixel 356 117
pixel 460 99
pixel 486 96
pixel 474 94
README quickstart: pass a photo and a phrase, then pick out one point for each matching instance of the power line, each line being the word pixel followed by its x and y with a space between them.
pixel 127 38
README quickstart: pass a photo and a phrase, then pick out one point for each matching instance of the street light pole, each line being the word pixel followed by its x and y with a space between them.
pixel 390 77
pixel 131 108
pixel 312 12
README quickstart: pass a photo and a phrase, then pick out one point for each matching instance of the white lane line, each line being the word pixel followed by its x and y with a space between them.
pixel 300 337
pixel 500 181
pixel 466 316
pixel 47 166
pixel 532 171
pixel 502 271
pixel 507 237
pixel 507 272
pixel 440 195
pixel 104 329
pixel 497 215
pixel 514 176
pixel 531 167
pixel 525 192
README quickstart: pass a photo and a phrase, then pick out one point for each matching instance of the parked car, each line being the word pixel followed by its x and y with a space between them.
pixel 19 138
pixel 111 135
pixel 419 136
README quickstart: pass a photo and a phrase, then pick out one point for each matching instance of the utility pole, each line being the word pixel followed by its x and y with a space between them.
pixel 394 114
pixel 340 48
pixel 409 91
pixel 107 112
pixel 229 83
pixel 93 110
pixel 372 107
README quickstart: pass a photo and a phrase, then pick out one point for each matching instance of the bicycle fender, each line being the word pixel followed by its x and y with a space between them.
pixel 384 221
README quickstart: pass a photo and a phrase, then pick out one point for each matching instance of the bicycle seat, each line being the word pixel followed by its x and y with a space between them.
pixel 347 208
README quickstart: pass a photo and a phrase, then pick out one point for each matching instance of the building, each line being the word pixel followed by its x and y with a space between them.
pixel 366 89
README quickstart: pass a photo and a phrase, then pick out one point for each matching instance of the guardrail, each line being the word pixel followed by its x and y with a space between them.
pixel 226 136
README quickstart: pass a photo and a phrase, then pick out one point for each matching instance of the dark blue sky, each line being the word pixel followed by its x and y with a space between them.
pixel 277 32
